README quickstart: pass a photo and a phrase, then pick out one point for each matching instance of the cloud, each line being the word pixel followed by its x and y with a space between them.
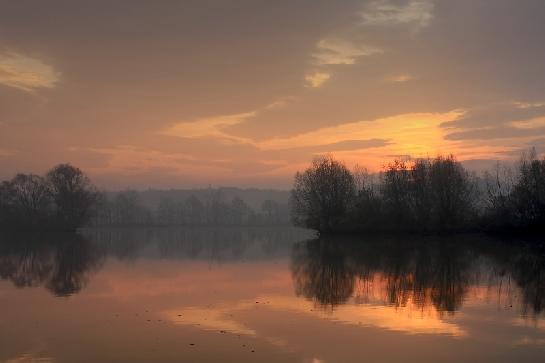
pixel 525 105
pixel 497 114
pixel 399 78
pixel 316 79
pixel 30 358
pixel 416 132
pixel 210 127
pixel 534 123
pixel 26 73
pixel 510 121
pixel 416 13
pixel 7 152
pixel 335 50
pixel 501 132
pixel 279 103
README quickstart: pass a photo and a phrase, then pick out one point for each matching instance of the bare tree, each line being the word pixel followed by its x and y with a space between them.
pixel 31 198
pixel 73 195
pixel 322 194
pixel 396 193
pixel 453 193
pixel 528 194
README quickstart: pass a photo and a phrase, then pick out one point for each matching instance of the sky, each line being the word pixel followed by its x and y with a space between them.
pixel 175 94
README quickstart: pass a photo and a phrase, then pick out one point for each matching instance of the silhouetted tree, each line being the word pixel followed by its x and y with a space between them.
pixel 239 211
pixel 31 200
pixel 436 194
pixel 528 194
pixel 452 193
pixel 73 195
pixel 516 199
pixel 322 194
pixel 396 193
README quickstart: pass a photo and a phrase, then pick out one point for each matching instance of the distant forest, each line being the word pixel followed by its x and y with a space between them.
pixel 199 207
pixel 421 195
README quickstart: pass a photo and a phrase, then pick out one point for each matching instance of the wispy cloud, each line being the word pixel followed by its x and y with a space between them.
pixel 279 103
pixel 341 51
pixel 534 123
pixel 526 105
pixel 419 132
pixel 210 127
pixel 399 78
pixel 29 358
pixel 7 152
pixel 316 79
pixel 416 13
pixel 26 73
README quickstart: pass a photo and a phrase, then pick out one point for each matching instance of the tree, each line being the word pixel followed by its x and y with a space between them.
pixel 239 211
pixel 453 193
pixel 322 194
pixel 528 194
pixel 7 203
pixel 31 199
pixel 396 193
pixel 428 194
pixel 73 195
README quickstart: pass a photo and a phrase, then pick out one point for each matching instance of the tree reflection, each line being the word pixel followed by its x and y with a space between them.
pixel 63 263
pixel 425 272
pixel 60 262
pixel 321 271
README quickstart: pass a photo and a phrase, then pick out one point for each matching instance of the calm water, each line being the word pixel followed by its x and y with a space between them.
pixel 268 295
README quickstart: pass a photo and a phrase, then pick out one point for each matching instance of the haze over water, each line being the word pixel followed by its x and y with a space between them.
pixel 268 295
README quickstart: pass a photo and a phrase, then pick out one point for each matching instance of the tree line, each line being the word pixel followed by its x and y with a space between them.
pixel 422 195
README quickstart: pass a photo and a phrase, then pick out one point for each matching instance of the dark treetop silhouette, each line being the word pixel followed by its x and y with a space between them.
pixel 424 195
pixel 61 200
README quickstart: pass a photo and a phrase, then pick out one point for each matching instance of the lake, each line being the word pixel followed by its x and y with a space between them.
pixel 268 295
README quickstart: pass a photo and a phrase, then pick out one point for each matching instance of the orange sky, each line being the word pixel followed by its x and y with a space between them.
pixel 247 92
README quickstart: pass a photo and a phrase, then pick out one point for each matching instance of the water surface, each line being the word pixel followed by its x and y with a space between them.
pixel 268 295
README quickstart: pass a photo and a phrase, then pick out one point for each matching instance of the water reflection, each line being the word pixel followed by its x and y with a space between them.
pixel 273 295
pixel 60 262
pixel 422 272
pixel 63 263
